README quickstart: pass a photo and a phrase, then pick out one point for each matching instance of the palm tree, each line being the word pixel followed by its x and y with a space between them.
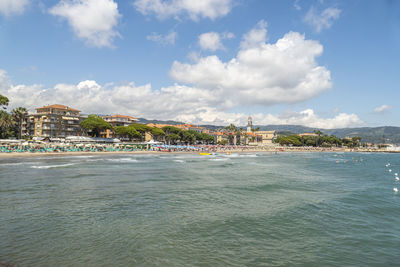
pixel 6 123
pixel 19 115
pixel 3 101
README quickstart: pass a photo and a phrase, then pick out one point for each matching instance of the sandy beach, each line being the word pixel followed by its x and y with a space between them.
pixel 276 150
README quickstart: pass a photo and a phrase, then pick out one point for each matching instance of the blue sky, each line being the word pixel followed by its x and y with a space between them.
pixel 317 63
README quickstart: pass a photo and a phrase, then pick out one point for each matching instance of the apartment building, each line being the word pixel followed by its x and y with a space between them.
pixel 117 120
pixel 54 121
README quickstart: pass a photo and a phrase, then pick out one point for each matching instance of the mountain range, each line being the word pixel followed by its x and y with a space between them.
pixel 376 135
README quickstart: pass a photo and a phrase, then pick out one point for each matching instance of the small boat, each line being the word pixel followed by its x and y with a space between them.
pixel 204 154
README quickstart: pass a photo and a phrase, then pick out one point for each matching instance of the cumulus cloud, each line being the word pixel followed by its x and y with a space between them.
pixel 213 41
pixel 382 109
pixel 13 7
pixel 207 90
pixel 323 20
pixel 168 39
pixel 261 73
pixel 177 102
pixel 256 37
pixel 309 118
pixel 195 9
pixel 93 21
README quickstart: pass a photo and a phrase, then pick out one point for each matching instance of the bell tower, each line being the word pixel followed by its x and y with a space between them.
pixel 249 124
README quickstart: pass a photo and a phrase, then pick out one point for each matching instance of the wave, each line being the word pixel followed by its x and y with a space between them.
pixel 123 160
pixel 179 160
pixel 52 166
pixel 12 164
pixel 248 155
pixel 219 159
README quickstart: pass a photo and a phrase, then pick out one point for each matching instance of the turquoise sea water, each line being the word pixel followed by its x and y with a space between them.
pixel 323 209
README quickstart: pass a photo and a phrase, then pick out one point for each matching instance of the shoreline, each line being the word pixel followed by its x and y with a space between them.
pixel 84 153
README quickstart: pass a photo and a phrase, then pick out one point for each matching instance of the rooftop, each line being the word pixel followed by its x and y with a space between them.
pixel 58 106
pixel 121 116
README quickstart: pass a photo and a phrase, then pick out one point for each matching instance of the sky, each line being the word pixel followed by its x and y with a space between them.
pixel 321 63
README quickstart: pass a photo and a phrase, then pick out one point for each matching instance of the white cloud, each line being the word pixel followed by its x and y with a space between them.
pixel 210 41
pixel 297 5
pixel 213 41
pixel 168 39
pixel 94 21
pixel 13 7
pixel 176 102
pixel 306 118
pixel 261 73
pixel 309 118
pixel 382 109
pixel 323 20
pixel 195 9
pixel 256 36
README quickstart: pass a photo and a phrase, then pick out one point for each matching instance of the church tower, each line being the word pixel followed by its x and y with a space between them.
pixel 249 124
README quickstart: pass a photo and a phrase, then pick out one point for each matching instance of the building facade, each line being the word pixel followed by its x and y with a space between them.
pixel 54 121
pixel 117 120
pixel 120 120
pixel 267 137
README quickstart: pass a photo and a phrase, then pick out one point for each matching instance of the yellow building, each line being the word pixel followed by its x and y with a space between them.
pixel 267 137
pixel 55 121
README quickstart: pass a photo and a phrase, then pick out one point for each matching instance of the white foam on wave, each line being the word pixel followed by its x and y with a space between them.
pixel 248 155
pixel 234 155
pixel 219 159
pixel 52 166
pixel 179 160
pixel 11 164
pixel 123 160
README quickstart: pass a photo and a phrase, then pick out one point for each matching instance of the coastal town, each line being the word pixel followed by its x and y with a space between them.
pixel 61 128
pixel 61 123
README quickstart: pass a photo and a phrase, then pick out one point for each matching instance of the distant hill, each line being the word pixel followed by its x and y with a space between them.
pixel 146 121
pixel 376 135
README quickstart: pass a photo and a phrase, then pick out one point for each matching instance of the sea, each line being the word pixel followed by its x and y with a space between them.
pixel 250 209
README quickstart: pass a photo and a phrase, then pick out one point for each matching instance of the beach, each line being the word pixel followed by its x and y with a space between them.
pixel 221 151
pixel 87 153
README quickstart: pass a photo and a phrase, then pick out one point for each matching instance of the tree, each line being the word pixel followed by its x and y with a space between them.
pixel 318 132
pixel 6 125
pixel 172 134
pixel 19 114
pixel 94 125
pixel 231 128
pixel 173 138
pixel 206 138
pixel 142 128
pixel 171 130
pixel 3 101
pixel 188 137
pixel 128 132
pixel 157 133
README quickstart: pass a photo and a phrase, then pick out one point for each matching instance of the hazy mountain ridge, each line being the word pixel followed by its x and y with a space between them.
pixel 377 135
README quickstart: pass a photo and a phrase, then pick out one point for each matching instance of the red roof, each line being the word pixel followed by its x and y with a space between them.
pixel 58 106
